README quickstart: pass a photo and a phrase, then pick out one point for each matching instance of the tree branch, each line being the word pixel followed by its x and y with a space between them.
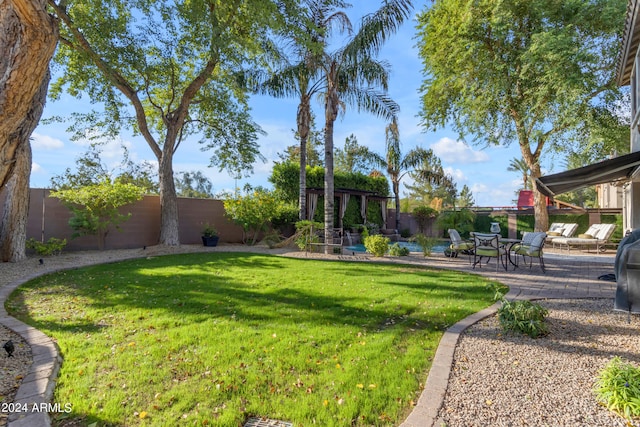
pixel 118 80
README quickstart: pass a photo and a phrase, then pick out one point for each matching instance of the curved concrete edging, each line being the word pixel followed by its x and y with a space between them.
pixel 425 413
pixel 35 392
pixel 36 389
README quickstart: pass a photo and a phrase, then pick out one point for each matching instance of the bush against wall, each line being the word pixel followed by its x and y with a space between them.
pixel 96 207
pixel 253 211
pixel 423 215
pixel 463 220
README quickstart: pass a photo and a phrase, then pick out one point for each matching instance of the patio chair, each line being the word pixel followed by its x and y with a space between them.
pixel 531 246
pixel 488 246
pixel 458 244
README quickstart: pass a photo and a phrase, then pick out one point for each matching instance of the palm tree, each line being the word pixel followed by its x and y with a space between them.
pixel 302 79
pixel 519 165
pixel 418 161
pixel 351 77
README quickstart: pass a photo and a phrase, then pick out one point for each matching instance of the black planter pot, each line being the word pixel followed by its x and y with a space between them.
pixel 210 241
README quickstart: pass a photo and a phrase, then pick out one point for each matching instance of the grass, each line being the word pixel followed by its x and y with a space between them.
pixel 211 339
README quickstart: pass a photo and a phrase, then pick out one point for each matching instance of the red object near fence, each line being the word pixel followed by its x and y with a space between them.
pixel 525 199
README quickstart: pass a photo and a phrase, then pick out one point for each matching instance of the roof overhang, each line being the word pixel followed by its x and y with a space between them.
pixel 613 170
pixel 630 42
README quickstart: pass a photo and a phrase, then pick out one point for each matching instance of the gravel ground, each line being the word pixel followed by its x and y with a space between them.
pixel 12 369
pixel 509 379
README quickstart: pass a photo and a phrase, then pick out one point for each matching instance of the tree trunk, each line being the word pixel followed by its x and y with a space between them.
pixel 13 228
pixel 540 211
pixel 304 118
pixel 169 223
pixel 332 103
pixel 396 192
pixel 28 37
pixel 302 200
pixel 328 185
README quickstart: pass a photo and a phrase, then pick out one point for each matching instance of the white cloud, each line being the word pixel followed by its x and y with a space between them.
pixel 36 168
pixel 45 142
pixel 453 151
pixel 478 188
pixel 457 174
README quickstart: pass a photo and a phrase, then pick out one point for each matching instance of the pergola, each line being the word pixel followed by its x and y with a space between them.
pixel 343 195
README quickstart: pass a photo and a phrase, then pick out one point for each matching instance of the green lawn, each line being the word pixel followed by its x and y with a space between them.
pixel 211 339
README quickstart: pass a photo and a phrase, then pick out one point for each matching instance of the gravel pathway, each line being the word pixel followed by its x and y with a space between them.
pixel 509 379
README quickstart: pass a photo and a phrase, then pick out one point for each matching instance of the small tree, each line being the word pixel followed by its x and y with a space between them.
pixel 253 212
pixel 95 207
pixel 422 215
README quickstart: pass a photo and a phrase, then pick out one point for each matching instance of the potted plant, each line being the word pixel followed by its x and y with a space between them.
pixel 209 235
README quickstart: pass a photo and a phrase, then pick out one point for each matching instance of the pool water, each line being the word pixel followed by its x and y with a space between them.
pixel 412 246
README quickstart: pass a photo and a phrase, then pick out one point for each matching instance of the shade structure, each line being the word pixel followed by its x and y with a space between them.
pixel 617 169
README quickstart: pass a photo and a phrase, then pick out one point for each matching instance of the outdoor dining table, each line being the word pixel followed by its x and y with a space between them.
pixel 508 244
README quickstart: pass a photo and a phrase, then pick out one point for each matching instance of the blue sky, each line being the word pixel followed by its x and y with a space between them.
pixel 483 170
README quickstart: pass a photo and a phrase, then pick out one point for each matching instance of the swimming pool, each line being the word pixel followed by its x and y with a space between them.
pixel 412 246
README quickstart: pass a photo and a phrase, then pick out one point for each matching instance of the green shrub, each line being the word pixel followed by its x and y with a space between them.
pixel 376 245
pixel 427 243
pixel 286 216
pixel 253 211
pixel 523 316
pixel 462 220
pixel 53 246
pixel 422 215
pixel 618 388
pixel 98 207
pixel 307 233
pixel 397 250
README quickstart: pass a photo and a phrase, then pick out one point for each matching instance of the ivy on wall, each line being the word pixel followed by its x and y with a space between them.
pixel 285 178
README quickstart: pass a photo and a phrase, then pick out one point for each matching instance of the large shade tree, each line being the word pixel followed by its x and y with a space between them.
pixel 354 77
pixel 167 70
pixel 519 71
pixel 28 37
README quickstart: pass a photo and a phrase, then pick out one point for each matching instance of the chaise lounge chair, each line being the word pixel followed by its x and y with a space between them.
pixel 597 235
pixel 559 229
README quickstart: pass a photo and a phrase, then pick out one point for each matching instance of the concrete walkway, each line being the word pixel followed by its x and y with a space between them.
pixel 568 277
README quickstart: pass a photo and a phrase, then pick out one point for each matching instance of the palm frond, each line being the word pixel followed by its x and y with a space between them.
pixel 371 100
pixel 377 27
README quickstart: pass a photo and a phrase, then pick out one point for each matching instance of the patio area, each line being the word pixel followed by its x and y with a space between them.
pixel 568 278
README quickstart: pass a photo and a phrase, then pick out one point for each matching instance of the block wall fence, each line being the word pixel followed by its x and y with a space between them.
pixel 48 217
